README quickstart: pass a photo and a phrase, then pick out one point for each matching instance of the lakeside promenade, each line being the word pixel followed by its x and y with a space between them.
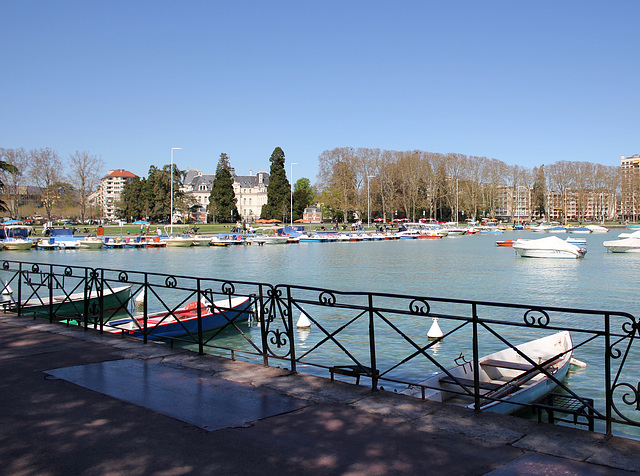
pixel 77 402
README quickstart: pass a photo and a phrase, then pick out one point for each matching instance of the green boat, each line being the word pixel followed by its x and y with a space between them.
pixel 72 305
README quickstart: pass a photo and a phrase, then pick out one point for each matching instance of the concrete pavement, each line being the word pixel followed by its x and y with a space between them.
pixel 76 402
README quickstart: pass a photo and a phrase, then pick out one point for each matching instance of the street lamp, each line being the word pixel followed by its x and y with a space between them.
pixel 369 201
pixel 171 211
pixel 291 209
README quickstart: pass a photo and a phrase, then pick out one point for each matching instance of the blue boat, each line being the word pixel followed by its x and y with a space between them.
pixel 185 321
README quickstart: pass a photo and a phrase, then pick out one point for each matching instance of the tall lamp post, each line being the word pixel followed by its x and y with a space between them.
pixel 369 177
pixel 291 209
pixel 171 210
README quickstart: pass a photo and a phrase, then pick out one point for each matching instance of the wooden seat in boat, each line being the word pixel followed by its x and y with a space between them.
pixel 467 382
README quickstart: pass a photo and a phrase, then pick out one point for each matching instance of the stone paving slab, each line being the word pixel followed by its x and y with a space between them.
pixel 189 395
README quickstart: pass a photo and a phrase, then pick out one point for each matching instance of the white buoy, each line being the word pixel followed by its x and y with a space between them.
pixel 139 299
pixel 303 320
pixel 578 363
pixel 435 332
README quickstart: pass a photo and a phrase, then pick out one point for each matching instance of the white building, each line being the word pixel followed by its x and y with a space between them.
pixel 109 191
pixel 250 191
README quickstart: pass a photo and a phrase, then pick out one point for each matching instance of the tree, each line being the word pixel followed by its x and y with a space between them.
pixel 222 201
pixel 278 190
pixel 303 196
pixel 13 165
pixel 85 175
pixel 46 172
pixel 539 192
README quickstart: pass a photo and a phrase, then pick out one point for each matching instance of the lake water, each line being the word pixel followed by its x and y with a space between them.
pixel 465 267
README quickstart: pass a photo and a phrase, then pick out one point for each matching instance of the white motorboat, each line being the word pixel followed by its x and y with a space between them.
pixel 91 243
pixel 199 240
pixel 550 247
pixel 633 234
pixel 506 375
pixel 267 236
pixel 626 245
pixel 178 241
pixel 597 228
pixel 16 237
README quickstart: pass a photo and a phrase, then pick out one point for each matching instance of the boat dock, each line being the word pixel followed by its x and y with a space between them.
pixel 77 402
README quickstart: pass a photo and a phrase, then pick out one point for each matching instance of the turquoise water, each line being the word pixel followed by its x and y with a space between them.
pixel 466 267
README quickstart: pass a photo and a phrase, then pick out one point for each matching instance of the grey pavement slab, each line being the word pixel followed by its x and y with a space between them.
pixel 545 465
pixel 189 395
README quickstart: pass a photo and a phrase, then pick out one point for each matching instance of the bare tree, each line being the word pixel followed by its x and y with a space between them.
pixel 13 176
pixel 86 170
pixel 46 172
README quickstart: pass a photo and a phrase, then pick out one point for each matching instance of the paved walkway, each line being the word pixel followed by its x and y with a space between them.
pixel 75 402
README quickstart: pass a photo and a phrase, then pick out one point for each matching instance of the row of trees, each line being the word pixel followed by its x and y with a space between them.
pixel 60 185
pixel 418 184
pixel 223 203
pixel 149 198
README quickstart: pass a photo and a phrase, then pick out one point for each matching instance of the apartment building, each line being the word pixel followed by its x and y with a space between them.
pixel 630 187
pixel 109 191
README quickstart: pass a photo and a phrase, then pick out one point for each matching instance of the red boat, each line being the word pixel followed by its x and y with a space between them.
pixel 508 242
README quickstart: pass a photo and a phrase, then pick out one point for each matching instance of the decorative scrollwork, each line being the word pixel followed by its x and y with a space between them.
pixel 93 274
pixel 5 265
pixel 631 327
pixel 630 397
pixel 123 277
pixel 274 293
pixel 279 338
pixel 419 306
pixel 228 288
pixel 35 268
pixel 327 298
pixel 170 282
pixel 68 272
pixel 531 319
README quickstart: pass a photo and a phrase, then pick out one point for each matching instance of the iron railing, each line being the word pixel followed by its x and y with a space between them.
pixel 379 337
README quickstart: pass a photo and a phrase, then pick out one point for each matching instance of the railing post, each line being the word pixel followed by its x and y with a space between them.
pixel 476 357
pixel 372 346
pixel 100 291
pixel 145 314
pixel 50 294
pixel 19 298
pixel 263 326
pixel 292 344
pixel 607 373
pixel 87 295
pixel 199 311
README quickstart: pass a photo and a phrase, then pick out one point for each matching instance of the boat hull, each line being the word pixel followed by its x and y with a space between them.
pixel 504 375
pixel 65 307
pixel 185 322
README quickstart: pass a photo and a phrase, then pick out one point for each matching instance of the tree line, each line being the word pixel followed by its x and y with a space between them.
pixel 417 184
pixel 149 198
pixel 62 185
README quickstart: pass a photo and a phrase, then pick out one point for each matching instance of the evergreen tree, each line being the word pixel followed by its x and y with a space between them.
pixel 278 190
pixel 303 196
pixel 539 191
pixel 222 201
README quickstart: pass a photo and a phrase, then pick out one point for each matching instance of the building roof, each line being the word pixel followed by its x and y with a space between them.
pixel 121 173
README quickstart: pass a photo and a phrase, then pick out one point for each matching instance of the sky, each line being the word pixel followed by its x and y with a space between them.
pixel 527 83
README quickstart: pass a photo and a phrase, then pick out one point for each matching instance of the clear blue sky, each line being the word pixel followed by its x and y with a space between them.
pixel 523 82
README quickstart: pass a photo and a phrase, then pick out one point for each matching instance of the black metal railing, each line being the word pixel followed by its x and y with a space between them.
pixel 382 338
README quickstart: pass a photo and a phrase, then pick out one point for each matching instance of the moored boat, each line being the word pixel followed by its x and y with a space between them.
pixel 506 379
pixel 626 245
pixel 72 305
pixel 550 247
pixel 185 321
pixel 91 243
